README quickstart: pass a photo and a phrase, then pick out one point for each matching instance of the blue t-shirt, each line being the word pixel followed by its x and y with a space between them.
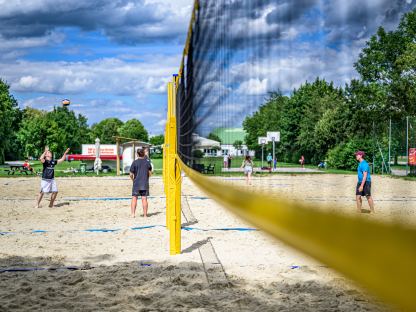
pixel 363 167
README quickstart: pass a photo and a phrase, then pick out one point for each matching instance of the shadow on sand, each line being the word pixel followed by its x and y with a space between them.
pixel 159 286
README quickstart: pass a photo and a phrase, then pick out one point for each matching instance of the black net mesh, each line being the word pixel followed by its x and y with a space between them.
pixel 297 65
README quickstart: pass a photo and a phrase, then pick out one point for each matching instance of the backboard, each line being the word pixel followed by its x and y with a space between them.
pixel 273 136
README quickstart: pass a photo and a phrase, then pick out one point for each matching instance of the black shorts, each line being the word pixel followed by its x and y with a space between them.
pixel 366 189
pixel 140 193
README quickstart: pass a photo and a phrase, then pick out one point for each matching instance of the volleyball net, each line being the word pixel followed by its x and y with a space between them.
pixel 239 61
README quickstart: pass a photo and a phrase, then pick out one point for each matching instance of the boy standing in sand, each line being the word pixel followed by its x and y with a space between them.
pixel 140 171
pixel 364 182
pixel 48 184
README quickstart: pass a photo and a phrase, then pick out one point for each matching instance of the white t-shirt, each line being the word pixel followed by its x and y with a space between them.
pixel 225 157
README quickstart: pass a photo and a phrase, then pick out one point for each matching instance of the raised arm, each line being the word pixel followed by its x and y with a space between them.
pixel 62 159
pixel 42 157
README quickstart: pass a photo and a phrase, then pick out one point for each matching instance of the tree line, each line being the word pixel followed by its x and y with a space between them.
pixel 325 122
pixel 25 132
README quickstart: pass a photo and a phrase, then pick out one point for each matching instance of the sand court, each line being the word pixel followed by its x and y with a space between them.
pixel 123 264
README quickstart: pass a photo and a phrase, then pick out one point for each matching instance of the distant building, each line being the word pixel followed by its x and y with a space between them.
pixel 228 137
pixel 108 154
pixel 207 146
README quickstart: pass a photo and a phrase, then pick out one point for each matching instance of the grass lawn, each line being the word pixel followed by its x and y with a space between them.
pixel 158 165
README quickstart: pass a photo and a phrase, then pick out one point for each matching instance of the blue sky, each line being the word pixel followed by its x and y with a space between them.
pixel 114 58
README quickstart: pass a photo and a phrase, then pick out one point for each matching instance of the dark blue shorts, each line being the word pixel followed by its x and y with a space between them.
pixel 366 189
pixel 139 192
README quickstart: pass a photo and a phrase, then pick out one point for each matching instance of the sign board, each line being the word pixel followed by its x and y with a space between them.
pixel 105 149
pixel 412 156
pixel 262 140
pixel 273 136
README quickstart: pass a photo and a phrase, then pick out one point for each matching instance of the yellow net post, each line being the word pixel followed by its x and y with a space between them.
pixel 172 177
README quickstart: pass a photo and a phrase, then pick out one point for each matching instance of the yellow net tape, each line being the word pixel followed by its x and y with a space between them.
pixel 379 256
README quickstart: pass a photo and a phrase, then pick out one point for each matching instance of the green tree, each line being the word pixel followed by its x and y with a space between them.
pixel 213 136
pixel 388 60
pixel 134 129
pixel 37 131
pixel 73 129
pixel 238 145
pixel 157 139
pixel 59 129
pixel 9 116
pixel 105 130
pixel 267 118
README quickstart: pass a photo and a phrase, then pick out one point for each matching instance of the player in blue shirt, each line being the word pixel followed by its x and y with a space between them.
pixel 364 182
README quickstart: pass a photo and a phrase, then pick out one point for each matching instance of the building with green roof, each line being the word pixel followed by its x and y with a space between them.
pixel 229 135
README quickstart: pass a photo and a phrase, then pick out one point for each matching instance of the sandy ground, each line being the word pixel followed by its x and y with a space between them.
pixel 123 264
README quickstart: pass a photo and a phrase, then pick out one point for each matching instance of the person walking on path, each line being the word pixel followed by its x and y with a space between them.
pixel 269 159
pixel 302 161
pixel 140 171
pixel 247 165
pixel 229 161
pixel 364 182
pixel 225 161
pixel 48 184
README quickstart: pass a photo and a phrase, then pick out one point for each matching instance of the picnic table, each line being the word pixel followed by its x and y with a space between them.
pixel 19 169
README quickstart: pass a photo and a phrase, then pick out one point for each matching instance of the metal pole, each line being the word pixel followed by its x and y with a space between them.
pixel 118 156
pixel 273 152
pixel 262 154
pixel 407 145
pixel 389 147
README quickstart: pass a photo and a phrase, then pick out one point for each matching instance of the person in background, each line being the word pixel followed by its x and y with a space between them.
pixel 48 184
pixel 364 182
pixel 27 166
pixel 225 159
pixel 147 156
pixel 302 161
pixel 247 165
pixel 269 159
pixel 140 171
pixel 229 161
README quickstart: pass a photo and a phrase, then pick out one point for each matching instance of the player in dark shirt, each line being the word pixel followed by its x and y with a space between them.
pixel 140 171
pixel 48 184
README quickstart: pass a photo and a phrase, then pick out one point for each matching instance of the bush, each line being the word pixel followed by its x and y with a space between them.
pixel 198 154
pixel 342 156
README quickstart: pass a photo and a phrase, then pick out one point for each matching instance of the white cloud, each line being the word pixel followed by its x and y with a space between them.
pixel 253 86
pixel 28 82
pixel 110 76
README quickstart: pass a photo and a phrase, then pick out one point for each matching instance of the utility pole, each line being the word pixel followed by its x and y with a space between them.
pixel 389 146
pixel 407 145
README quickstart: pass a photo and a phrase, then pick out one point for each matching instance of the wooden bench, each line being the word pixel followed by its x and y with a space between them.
pixel 210 169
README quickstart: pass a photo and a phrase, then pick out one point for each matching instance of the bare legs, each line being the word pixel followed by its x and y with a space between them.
pixel 371 203
pixel 40 196
pixel 145 206
pixel 248 178
pixel 360 203
pixel 38 200
pixel 134 205
pixel 53 197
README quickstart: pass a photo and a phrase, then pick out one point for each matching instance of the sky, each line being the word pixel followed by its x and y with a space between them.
pixel 114 58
